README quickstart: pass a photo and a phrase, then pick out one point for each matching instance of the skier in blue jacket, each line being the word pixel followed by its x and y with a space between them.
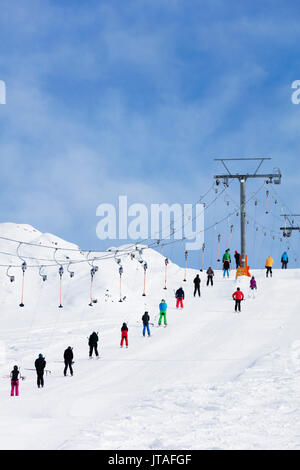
pixel 162 312
pixel 284 260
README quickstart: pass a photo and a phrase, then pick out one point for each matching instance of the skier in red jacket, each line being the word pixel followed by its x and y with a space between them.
pixel 238 296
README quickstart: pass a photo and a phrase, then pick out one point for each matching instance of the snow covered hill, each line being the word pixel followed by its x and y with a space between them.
pixel 212 379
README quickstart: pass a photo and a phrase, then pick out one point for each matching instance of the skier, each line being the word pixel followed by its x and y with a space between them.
pixel 146 319
pixel 93 344
pixel 253 285
pixel 226 267
pixel 124 335
pixel 40 365
pixel 68 358
pixel 162 312
pixel 268 265
pixel 14 375
pixel 197 281
pixel 179 296
pixel 226 256
pixel 284 260
pixel 210 274
pixel 238 296
pixel 237 259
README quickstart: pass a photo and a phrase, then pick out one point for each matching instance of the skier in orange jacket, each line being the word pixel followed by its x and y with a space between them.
pixel 238 296
pixel 269 263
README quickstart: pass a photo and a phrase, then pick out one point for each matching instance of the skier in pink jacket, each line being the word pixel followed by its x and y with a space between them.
pixel 253 283
pixel 253 286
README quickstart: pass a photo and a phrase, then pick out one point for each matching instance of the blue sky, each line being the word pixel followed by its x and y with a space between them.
pixel 138 98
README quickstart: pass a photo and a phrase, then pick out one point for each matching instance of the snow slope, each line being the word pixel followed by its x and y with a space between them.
pixel 212 379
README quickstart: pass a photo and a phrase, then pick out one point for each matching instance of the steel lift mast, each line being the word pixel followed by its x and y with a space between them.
pixel 242 178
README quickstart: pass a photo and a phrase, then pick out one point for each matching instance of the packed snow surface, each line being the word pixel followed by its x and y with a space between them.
pixel 212 379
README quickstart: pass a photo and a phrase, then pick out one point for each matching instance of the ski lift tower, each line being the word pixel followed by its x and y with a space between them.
pixel 242 178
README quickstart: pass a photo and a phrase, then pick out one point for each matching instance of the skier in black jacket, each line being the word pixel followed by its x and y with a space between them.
pixel 40 365
pixel 146 319
pixel 197 281
pixel 124 335
pixel 179 296
pixel 15 375
pixel 68 358
pixel 237 259
pixel 93 343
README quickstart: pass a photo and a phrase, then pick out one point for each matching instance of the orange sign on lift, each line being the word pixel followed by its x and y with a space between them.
pixel 243 271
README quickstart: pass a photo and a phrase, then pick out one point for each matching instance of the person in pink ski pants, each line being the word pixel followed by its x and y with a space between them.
pixel 14 375
pixel 124 335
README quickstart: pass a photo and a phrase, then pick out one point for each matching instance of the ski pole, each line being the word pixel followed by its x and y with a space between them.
pixel 21 376
pixel 22 295
pixel 48 371
pixel 120 272
pixel 267 202
pixel 230 236
pixel 60 272
pixel 185 264
pixel 166 266
pixel 145 270
pixel 93 272
pixel 60 293
pixel 24 267
pixel 91 293
pixel 203 248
